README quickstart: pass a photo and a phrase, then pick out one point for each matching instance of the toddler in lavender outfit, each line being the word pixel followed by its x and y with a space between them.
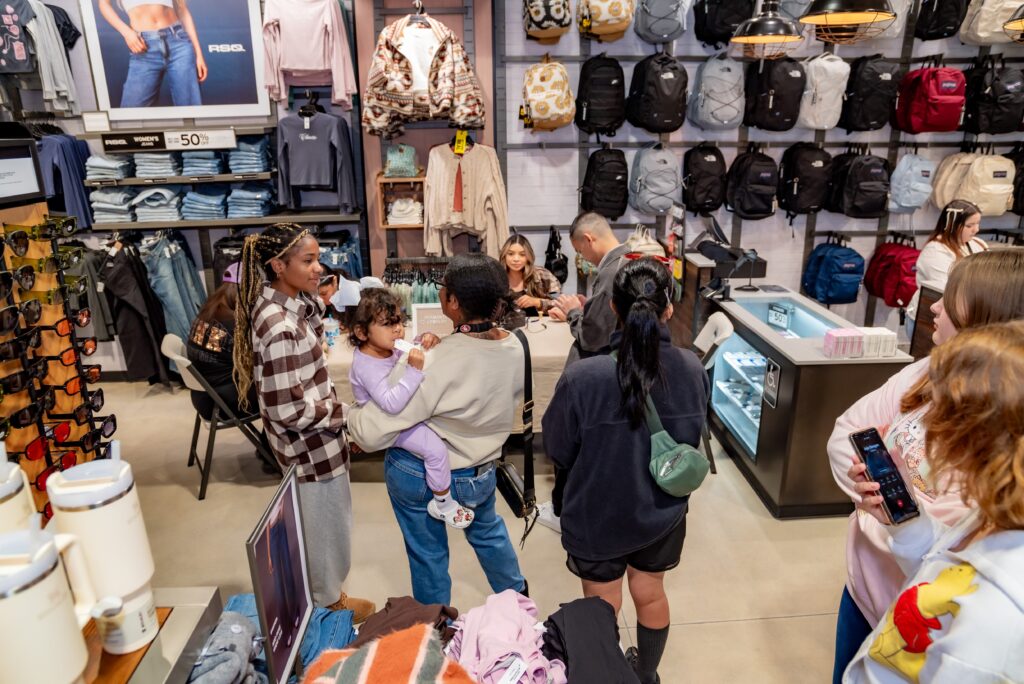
pixel 374 329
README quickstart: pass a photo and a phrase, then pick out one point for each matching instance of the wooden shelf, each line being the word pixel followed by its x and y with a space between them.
pixel 387 192
pixel 181 180
pixel 318 218
pixel 411 226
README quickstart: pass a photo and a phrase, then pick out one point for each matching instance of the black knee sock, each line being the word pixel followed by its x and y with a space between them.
pixel 650 643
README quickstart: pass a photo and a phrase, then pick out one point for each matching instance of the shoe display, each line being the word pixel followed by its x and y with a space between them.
pixel 361 608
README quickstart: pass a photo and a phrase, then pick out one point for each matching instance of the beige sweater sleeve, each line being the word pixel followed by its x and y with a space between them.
pixel 434 211
pixel 496 207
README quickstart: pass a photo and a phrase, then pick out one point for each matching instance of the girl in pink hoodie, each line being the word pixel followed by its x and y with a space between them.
pixel 983 288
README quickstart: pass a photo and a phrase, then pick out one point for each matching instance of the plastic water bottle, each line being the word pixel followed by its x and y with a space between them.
pixel 331 331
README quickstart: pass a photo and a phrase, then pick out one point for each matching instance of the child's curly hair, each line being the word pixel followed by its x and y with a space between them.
pixel 376 305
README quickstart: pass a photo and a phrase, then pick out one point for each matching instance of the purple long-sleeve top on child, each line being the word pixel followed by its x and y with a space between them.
pixel 370 379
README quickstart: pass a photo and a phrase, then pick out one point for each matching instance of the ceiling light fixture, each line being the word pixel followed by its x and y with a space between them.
pixel 767 35
pixel 848 21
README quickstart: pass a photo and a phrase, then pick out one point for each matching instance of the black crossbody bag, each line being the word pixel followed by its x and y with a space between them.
pixel 519 492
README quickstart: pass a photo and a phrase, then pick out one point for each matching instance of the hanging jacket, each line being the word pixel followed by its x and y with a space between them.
pixel 453 90
pixel 138 317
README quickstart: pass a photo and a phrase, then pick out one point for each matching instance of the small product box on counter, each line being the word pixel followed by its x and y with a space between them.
pixel 855 343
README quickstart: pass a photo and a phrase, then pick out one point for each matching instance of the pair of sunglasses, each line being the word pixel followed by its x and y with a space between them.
pixel 22 380
pixel 64 460
pixel 18 243
pixel 92 439
pixel 62 260
pixel 83 413
pixel 52 227
pixel 75 384
pixel 64 326
pixel 25 277
pixel 13 349
pixel 28 415
pixel 75 285
pixel 39 447
pixel 69 357
pixel 31 310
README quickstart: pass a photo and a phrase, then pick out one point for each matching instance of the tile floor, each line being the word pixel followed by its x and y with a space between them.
pixel 754 599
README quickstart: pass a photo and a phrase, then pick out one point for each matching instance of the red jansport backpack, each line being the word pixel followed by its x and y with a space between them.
pixel 931 100
pixel 891 274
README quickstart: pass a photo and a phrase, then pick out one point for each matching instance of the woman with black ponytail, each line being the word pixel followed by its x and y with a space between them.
pixel 615 519
pixel 279 349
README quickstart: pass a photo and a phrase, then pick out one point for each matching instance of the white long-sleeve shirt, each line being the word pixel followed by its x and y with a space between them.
pixel 933 267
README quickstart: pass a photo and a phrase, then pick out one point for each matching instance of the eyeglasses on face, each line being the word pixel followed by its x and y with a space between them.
pixel 63 259
pixel 32 310
pixel 13 349
pixel 25 277
pixel 83 413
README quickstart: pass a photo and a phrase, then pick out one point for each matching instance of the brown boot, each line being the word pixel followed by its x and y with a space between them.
pixel 361 608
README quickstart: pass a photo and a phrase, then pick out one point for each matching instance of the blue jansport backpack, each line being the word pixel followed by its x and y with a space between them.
pixel 833 274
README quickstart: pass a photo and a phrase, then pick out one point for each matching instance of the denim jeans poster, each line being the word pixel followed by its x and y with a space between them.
pixel 159 59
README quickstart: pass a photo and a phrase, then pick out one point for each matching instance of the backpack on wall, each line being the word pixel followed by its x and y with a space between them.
pixel 657 94
pixel 930 100
pixel 714 21
pixel 604 20
pixel 655 183
pixel 704 179
pixel 606 183
pixel 803 179
pixel 896 28
pixel 892 274
pixel 661 21
pixel 822 102
pixel 833 274
pixel 939 19
pixel 773 93
pixel 546 20
pixel 911 183
pixel 1017 157
pixel 988 183
pixel 547 96
pixel 983 24
pixel 554 260
pixel 601 96
pixel 752 184
pixel 717 102
pixel 870 92
pixel 866 187
pixel 995 97
pixel 950 176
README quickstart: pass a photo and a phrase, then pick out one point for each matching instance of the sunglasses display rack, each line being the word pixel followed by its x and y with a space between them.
pixel 49 405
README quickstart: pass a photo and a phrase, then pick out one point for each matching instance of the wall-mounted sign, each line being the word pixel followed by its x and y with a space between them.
pixel 20 179
pixel 214 139
pixel 772 378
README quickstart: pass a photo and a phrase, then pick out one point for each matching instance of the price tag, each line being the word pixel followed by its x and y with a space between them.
pixel 514 672
pixel 218 139
pixel 460 142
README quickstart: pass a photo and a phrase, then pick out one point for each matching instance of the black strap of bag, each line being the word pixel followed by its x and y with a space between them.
pixel 520 493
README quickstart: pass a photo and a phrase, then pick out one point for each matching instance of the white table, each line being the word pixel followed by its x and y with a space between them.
pixel 549 348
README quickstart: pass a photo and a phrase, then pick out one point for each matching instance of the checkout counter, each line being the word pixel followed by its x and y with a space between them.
pixel 775 398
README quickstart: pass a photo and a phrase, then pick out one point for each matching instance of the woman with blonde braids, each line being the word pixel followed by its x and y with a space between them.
pixel 278 348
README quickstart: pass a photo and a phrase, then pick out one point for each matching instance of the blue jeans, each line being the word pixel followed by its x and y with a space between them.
pixel 426 539
pixel 852 628
pixel 169 54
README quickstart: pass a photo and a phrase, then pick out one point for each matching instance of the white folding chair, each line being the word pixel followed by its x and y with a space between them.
pixel 714 333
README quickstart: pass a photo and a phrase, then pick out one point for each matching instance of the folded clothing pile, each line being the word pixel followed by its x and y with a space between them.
pixel 112 205
pixel 251 156
pixel 158 204
pixel 405 212
pixel 111 167
pixel 202 163
pixel 250 199
pixel 205 203
pixel 157 164
pixel 229 654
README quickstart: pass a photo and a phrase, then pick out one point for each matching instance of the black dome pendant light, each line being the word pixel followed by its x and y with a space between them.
pixel 1014 26
pixel 766 36
pixel 848 21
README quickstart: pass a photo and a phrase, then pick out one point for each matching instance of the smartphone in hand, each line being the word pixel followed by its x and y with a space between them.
pixel 897 499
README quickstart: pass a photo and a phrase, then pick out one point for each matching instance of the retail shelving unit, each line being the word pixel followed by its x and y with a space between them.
pixel 183 180
pixel 390 189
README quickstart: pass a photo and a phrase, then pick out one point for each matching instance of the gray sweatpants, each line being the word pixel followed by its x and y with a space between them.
pixel 327 518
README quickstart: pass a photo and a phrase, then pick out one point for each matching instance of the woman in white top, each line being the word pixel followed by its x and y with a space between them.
pixel 953 239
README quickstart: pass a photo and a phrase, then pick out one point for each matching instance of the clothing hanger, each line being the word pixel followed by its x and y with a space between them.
pixel 420 17
pixel 312 105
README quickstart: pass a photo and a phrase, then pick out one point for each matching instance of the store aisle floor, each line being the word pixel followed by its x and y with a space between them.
pixel 754 599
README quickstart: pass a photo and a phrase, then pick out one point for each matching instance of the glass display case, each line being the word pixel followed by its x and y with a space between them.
pixel 739 372
pixel 788 317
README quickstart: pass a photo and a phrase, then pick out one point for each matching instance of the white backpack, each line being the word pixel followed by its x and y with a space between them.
pixel 910 185
pixel 661 21
pixel 655 182
pixel 548 97
pixel 950 176
pixel 546 20
pixel 983 24
pixel 902 9
pixel 822 101
pixel 717 100
pixel 989 184
pixel 604 20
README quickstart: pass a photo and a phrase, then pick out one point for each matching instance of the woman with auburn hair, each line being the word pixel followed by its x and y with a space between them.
pixel 983 288
pixel 532 286
pixel 960 616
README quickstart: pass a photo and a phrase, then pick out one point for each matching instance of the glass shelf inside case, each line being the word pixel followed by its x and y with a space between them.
pixel 738 386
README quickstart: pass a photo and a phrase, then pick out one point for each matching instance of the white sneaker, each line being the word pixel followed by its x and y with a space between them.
pixel 458 517
pixel 548 518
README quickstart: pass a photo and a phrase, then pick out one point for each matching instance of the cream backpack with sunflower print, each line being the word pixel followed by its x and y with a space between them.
pixel 604 20
pixel 546 20
pixel 548 100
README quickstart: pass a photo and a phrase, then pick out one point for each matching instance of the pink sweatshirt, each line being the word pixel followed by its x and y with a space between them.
pixel 874 578
pixel 305 43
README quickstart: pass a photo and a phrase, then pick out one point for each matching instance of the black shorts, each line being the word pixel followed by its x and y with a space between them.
pixel 658 556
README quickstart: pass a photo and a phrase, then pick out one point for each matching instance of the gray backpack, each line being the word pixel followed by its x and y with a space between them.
pixel 655 182
pixel 910 186
pixel 661 21
pixel 717 100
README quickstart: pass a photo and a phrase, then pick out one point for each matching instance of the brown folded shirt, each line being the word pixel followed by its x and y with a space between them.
pixel 403 612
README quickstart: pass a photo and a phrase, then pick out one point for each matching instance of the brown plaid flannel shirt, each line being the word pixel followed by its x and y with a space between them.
pixel 301 412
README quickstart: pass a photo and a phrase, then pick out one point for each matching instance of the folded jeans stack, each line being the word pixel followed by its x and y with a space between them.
pixel 405 212
pixel 158 204
pixel 344 257
pixel 112 205
pixel 205 203
pixel 251 156
pixel 111 167
pixel 249 200
pixel 202 163
pixel 157 164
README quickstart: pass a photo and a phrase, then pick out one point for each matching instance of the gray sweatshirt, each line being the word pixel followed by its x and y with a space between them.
pixel 315 153
pixel 594 324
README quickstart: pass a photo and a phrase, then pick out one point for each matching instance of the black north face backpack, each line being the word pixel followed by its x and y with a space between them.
pixel 995 97
pixel 601 96
pixel 940 18
pixel 753 181
pixel 774 89
pixel 1017 157
pixel 866 189
pixel 704 179
pixel 657 94
pixel 803 179
pixel 606 183
pixel 714 21
pixel 870 93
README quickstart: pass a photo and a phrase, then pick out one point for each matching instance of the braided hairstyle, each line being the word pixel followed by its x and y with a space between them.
pixel 641 294
pixel 276 242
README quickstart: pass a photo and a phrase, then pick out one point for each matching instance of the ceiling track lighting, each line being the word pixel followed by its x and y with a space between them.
pixel 848 21
pixel 1014 27
pixel 768 35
